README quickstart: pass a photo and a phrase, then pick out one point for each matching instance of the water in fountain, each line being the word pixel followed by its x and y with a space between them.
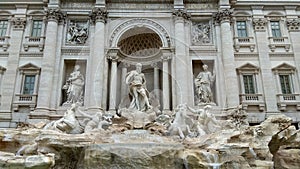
pixel 252 152
pixel 213 160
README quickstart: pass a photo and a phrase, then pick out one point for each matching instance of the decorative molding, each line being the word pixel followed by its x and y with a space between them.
pixel 166 57
pixel 55 14
pixel 245 55
pixel 223 15
pixel 99 15
pixel 154 65
pixel 35 54
pixel 18 22
pixel 259 24
pixel 293 24
pixel 117 54
pixel 141 22
pixel 112 54
pixel 181 14
pixel 75 51
pixel 282 55
pixel 4 54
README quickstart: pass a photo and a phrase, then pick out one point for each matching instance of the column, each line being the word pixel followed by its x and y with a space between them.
pixel 181 60
pixel 156 80
pixel 54 15
pixel 227 51
pixel 259 24
pixel 124 87
pixel 97 60
pixel 9 80
pixel 36 83
pixel 166 86
pixel 113 82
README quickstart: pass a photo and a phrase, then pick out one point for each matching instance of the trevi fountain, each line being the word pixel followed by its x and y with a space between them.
pixel 140 136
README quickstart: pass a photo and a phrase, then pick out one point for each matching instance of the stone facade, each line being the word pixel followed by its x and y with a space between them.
pixel 253 49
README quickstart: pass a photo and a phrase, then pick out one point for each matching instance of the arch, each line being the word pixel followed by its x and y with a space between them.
pixel 5 13
pixel 241 13
pixel 140 22
pixel 275 13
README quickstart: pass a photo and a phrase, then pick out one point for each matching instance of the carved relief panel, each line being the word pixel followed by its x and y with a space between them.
pixel 201 33
pixel 77 32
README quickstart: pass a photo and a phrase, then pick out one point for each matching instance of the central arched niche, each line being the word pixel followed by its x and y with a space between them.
pixel 139 45
pixel 140 42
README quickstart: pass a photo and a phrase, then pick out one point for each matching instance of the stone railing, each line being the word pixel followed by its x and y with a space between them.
pixel 37 42
pixel 252 100
pixel 281 42
pixel 284 100
pixel 244 42
pixel 4 42
pixel 24 100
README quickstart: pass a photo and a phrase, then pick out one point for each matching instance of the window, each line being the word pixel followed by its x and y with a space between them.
pixel 3 28
pixel 36 28
pixel 249 84
pixel 286 85
pixel 241 28
pixel 29 84
pixel 275 27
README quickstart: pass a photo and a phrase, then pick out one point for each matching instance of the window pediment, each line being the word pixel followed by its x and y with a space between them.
pixel 29 67
pixel 284 67
pixel 248 67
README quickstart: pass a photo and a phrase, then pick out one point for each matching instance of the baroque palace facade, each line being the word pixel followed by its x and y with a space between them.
pixel 251 50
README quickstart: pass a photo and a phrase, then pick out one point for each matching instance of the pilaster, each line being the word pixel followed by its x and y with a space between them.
pixel 97 61
pixel 181 57
pixel 259 25
pixel 54 16
pixel 9 80
pixel 223 17
pixel 293 25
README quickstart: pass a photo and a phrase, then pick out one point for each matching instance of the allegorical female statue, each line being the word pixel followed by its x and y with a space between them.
pixel 203 83
pixel 74 86
pixel 138 92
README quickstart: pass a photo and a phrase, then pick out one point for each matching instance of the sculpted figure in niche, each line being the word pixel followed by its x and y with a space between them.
pixel 203 83
pixel 74 86
pixel 138 92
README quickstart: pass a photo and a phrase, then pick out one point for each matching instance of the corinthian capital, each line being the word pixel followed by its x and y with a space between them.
pixel 223 15
pixel 99 15
pixel 55 14
pixel 293 24
pixel 181 14
pixel 18 22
